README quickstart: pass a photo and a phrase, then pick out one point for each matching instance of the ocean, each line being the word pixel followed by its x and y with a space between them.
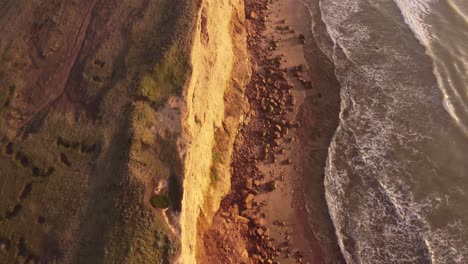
pixel 396 180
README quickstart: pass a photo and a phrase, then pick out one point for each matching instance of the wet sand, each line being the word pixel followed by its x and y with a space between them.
pixel 264 219
pixel 286 23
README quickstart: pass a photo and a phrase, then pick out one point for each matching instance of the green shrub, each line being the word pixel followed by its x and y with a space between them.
pixel 160 201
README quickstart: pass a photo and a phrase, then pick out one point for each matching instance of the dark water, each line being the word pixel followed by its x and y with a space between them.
pixel 397 172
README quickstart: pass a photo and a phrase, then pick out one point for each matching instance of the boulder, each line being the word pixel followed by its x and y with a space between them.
pixel 271 185
pixel 253 15
pixel 248 200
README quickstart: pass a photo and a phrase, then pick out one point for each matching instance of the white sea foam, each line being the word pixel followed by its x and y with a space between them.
pixel 414 12
pixel 387 122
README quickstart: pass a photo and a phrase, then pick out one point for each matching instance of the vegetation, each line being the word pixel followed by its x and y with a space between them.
pixel 78 175
pixel 217 157
pixel 160 201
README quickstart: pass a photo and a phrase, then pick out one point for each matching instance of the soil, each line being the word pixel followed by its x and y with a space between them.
pixel 264 218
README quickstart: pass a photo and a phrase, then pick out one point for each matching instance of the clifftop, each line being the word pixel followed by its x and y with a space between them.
pixel 80 86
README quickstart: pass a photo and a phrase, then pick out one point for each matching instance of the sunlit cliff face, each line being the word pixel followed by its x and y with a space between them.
pixel 213 59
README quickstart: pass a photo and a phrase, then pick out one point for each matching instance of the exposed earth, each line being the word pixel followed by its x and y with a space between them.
pixel 264 218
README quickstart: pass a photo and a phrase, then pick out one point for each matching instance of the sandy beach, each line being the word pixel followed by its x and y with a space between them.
pixel 265 218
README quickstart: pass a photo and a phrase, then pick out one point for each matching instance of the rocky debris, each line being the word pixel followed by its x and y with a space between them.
pixel 273 45
pixel 263 137
pixel 253 15
pixel 242 219
pixel 260 231
pixel 270 186
pixel 279 223
pixel 248 201
pixel 299 254
pixel 249 184
pixel 302 38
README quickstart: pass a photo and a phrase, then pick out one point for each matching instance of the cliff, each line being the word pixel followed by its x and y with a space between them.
pixel 116 125
pixel 215 106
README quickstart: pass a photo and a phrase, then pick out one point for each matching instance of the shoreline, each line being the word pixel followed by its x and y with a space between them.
pixel 265 217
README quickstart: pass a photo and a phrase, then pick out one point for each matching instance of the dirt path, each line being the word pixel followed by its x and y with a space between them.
pixel 264 218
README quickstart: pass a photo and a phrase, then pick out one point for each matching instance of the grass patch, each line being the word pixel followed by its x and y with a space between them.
pixel 88 160
pixel 6 95
pixel 166 79
pixel 213 177
pixel 161 201
pixel 217 157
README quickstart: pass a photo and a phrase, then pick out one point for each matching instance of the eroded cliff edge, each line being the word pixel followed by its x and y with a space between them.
pixel 215 107
pixel 117 121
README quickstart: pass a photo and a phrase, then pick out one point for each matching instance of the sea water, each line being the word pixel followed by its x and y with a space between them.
pixel 396 180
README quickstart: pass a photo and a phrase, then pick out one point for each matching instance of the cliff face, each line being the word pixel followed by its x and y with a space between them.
pixel 215 107
pixel 116 125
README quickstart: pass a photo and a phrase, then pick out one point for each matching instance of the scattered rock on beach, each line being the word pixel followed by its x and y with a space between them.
pixel 248 200
pixel 253 15
pixel 302 38
pixel 271 185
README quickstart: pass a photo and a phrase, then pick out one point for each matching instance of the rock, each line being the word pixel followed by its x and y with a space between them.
pixel 276 142
pixel 277 135
pixel 253 15
pixel 242 219
pixel 279 223
pixel 248 200
pixel 258 222
pixel 271 185
pixel 270 244
pixel 299 254
pixel 260 231
pixel 256 183
pixel 248 214
pixel 249 184
pixel 235 209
